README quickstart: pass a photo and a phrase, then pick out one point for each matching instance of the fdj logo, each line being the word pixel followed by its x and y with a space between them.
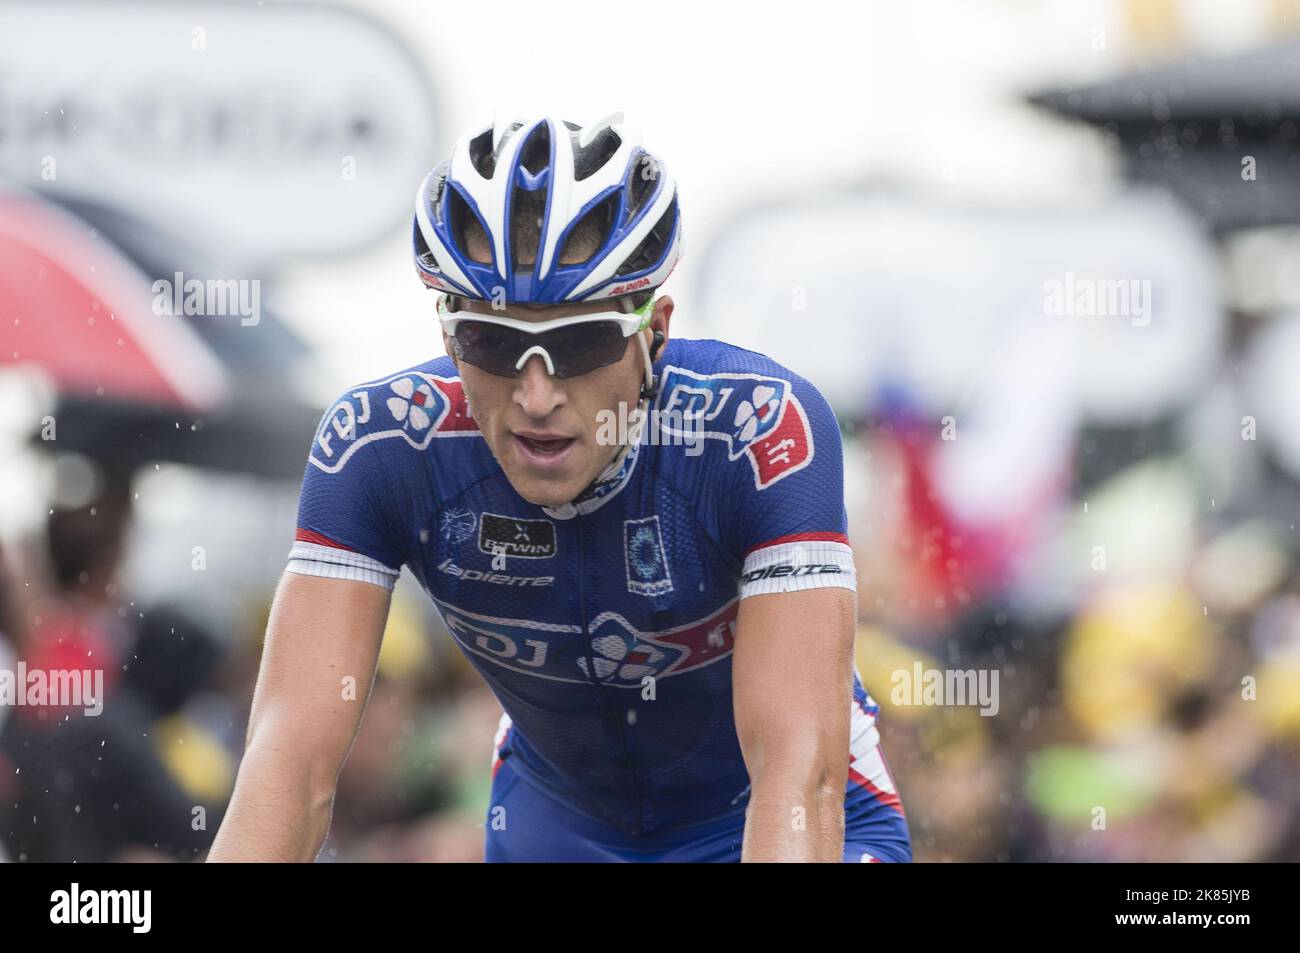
pixel 737 408
pixel 758 417
pixel 413 406
pixel 617 654
pixel 340 424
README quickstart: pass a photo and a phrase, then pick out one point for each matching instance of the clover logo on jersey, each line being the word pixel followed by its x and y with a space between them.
pixel 611 650
pixel 620 656
pixel 757 403
pixel 758 412
pixel 758 417
pixel 420 407
pixel 408 406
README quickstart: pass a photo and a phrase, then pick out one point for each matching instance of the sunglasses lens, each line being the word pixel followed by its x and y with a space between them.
pixel 492 347
pixel 582 348
pixel 574 350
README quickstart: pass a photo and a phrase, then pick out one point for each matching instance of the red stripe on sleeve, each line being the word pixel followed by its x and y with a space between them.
pixel 311 536
pixel 801 538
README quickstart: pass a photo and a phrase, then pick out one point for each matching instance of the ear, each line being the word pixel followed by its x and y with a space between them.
pixel 659 321
pixel 663 312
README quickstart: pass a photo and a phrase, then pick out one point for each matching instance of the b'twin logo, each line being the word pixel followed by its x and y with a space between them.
pixel 77 906
pixel 523 538
pixel 786 569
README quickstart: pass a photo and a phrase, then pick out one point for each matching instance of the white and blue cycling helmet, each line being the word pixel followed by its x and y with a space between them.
pixel 597 178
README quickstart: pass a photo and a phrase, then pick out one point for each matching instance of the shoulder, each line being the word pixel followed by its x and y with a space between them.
pixel 719 356
pixel 742 375
pixel 746 405
pixel 406 410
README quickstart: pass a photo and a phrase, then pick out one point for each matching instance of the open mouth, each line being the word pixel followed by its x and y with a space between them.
pixel 543 449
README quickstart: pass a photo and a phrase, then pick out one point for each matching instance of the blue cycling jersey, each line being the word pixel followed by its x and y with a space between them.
pixel 605 627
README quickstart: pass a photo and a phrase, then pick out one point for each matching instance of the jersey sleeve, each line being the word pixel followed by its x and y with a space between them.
pixel 786 518
pixel 349 512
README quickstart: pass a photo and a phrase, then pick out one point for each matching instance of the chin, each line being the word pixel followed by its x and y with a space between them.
pixel 549 487
pixel 547 492
pixel 542 488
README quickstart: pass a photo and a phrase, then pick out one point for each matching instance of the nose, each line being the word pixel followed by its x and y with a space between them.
pixel 536 391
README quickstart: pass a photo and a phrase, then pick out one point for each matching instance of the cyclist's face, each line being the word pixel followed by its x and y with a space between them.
pixel 544 431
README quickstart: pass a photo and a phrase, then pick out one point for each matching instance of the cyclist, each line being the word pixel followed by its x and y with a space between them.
pixel 664 607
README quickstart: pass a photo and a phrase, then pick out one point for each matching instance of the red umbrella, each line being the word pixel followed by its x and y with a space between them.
pixel 73 306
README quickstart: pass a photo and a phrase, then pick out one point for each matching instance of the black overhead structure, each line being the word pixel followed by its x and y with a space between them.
pixel 1191 127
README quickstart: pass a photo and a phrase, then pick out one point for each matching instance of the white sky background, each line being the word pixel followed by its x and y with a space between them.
pixel 827 95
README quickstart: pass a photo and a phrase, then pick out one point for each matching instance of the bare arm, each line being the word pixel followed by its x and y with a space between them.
pixel 322 646
pixel 792 674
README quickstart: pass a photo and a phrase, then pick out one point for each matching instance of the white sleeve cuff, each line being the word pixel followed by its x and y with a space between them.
pixel 313 559
pixel 794 566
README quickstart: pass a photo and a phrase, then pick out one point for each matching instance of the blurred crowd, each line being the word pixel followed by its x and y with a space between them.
pixel 1150 714
pixel 146 776
pixel 1145 714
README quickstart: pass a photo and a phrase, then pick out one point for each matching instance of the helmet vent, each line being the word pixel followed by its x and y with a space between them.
pixel 527 211
pixel 652 247
pixel 588 233
pixel 642 177
pixel 596 154
pixel 480 154
pixel 536 154
pixel 467 229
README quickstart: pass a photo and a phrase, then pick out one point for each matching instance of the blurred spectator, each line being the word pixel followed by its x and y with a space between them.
pixel 92 787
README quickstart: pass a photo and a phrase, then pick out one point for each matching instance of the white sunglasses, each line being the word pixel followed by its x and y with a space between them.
pixel 570 346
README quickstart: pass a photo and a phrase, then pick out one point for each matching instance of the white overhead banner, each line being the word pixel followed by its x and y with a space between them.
pixel 1114 311
pixel 280 130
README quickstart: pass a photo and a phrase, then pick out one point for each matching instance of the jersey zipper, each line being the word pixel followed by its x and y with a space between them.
pixel 612 716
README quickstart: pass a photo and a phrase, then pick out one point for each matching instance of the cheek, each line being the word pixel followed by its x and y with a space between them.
pixel 485 392
pixel 606 387
pixel 622 381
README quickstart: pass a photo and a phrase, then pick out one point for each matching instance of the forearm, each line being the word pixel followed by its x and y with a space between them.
pixel 280 810
pixel 794 820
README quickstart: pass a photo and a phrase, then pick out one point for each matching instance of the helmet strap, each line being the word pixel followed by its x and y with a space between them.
pixel 649 390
